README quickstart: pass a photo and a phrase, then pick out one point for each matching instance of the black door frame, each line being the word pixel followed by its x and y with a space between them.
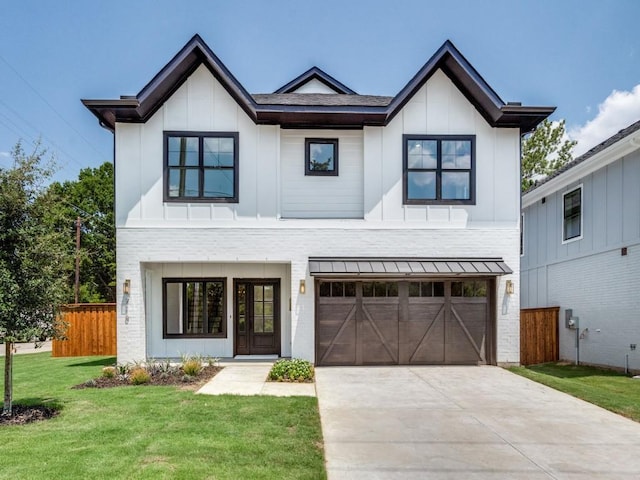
pixel 276 313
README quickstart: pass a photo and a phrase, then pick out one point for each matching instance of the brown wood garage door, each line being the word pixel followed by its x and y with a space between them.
pixel 400 322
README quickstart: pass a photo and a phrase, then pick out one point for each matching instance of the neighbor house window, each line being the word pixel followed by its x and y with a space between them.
pixel 201 166
pixel 321 156
pixel 439 169
pixel 572 214
pixel 194 307
pixel 521 234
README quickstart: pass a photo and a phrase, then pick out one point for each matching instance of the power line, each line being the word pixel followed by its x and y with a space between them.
pixel 52 108
pixel 26 122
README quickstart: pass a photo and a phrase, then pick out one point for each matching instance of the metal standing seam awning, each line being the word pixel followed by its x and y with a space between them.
pixel 406 267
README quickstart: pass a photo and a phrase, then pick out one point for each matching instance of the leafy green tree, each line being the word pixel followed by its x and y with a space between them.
pixel 90 197
pixel 544 151
pixel 32 258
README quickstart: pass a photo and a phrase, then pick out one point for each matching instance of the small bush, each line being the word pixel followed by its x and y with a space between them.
pixel 109 372
pixel 139 375
pixel 294 370
pixel 192 366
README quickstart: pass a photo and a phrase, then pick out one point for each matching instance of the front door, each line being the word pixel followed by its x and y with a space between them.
pixel 257 316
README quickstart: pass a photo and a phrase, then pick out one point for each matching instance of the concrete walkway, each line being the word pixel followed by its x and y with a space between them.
pixel 250 378
pixel 466 423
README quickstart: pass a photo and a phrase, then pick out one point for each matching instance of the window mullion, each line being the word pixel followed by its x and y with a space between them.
pixel 439 170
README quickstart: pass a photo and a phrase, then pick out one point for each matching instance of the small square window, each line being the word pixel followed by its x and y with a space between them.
pixel 321 156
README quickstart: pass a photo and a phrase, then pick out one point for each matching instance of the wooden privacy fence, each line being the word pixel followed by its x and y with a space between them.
pixel 539 335
pixel 91 330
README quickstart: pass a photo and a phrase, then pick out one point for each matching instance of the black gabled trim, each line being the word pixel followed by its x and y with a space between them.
pixel 140 108
pixel 317 74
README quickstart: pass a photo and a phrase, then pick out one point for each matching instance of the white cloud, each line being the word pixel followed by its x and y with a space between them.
pixel 619 110
pixel 5 154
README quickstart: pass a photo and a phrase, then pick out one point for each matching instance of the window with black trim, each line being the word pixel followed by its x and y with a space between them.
pixel 572 215
pixel 439 169
pixel 201 166
pixel 194 307
pixel 321 156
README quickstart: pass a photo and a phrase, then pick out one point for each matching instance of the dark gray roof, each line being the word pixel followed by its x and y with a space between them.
pixel 625 132
pixel 402 267
pixel 321 99
pixel 357 112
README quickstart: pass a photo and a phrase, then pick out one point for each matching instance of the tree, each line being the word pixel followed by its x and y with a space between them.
pixel 91 198
pixel 544 151
pixel 32 258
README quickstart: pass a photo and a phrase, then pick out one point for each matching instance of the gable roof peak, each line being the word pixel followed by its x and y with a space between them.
pixel 315 73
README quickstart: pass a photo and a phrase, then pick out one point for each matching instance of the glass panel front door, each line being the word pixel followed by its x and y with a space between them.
pixel 257 318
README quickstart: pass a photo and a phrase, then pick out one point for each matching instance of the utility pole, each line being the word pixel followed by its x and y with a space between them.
pixel 77 284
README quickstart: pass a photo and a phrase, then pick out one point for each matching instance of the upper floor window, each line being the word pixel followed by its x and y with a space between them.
pixel 439 169
pixel 321 156
pixel 201 166
pixel 522 234
pixel 572 215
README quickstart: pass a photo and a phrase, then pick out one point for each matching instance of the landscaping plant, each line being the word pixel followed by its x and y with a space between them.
pixel 294 370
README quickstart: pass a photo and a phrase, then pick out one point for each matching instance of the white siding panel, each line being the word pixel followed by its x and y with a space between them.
pixel 151 155
pixel 200 88
pixel 128 157
pixel 322 196
pixel 392 209
pixel 248 205
pixel 372 172
pixel 506 191
pixel 314 86
pixel 438 89
pixel 176 110
pixel 267 171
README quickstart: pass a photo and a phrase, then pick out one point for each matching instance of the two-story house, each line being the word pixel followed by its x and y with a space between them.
pixel 315 222
pixel 581 251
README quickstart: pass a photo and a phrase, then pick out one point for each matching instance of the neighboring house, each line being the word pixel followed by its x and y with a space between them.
pixel 314 222
pixel 581 251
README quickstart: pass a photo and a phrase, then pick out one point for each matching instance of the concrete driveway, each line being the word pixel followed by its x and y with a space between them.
pixel 466 423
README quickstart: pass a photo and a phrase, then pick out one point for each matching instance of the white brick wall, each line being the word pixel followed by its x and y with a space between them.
pixel 603 291
pixel 293 245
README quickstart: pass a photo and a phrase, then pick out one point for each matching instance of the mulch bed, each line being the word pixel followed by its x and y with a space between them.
pixel 175 378
pixel 22 414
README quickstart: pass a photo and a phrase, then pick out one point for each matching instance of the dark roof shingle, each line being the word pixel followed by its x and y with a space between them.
pixel 321 99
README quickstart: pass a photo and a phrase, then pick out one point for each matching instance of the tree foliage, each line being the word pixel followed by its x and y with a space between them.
pixel 90 197
pixel 32 257
pixel 544 151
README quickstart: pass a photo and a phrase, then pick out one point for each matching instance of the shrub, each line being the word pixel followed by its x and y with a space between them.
pixel 294 370
pixel 162 368
pixel 192 366
pixel 109 372
pixel 139 376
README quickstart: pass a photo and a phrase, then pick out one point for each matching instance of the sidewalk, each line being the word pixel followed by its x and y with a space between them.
pixel 22 348
pixel 250 378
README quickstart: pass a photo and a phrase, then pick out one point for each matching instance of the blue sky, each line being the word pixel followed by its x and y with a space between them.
pixel 581 55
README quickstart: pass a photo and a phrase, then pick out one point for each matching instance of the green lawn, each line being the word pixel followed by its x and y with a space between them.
pixel 153 432
pixel 605 388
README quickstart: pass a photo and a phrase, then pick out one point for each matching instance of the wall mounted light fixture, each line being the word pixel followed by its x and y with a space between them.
pixel 509 289
pixel 303 287
pixel 126 287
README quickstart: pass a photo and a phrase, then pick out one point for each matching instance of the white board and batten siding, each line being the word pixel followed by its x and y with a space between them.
pixel 590 275
pixel 200 104
pixel 439 108
pixel 310 196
